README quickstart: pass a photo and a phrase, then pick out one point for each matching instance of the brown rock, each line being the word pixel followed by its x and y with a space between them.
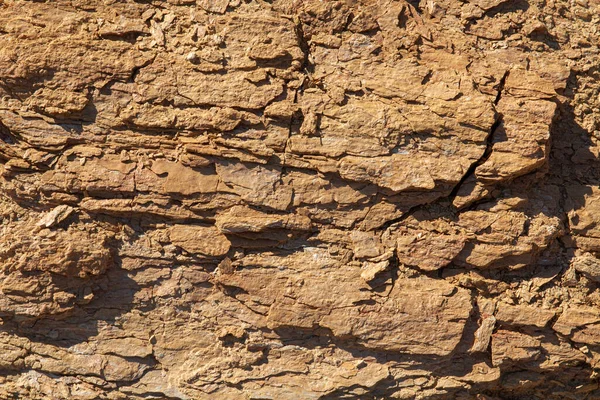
pixel 588 265
pixel 56 216
pixel 243 220
pixel 428 251
pixel 512 347
pixel 523 316
pixel 199 239
pixel 226 199
pixel 484 334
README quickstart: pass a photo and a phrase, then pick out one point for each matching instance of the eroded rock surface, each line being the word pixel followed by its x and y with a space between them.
pixel 225 199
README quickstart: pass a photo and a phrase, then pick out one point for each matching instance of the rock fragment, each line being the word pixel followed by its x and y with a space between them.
pixel 483 334
pixel 299 200
pixel 588 265
pixel 55 216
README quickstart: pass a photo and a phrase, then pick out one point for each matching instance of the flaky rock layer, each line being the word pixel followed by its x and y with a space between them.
pixel 225 199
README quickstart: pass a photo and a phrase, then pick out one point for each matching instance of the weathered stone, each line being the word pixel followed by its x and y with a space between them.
pixel 56 216
pixel 524 316
pixel 510 347
pixel 199 239
pixel 588 265
pixel 483 334
pixel 428 251
pixel 401 323
pixel 242 219
pixel 579 323
pixel 225 199
pixel 371 269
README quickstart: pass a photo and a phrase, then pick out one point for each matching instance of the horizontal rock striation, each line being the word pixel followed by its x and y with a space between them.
pixel 225 199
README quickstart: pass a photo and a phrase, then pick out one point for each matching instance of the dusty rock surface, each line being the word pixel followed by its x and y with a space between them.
pixel 249 199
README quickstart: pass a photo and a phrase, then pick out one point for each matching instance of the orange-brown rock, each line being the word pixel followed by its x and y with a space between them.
pixel 225 199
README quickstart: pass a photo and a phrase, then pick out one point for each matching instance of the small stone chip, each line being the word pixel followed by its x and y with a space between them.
pixel 484 334
pixel 370 270
pixel 55 216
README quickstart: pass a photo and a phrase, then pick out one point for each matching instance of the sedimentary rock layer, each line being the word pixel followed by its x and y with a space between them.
pixel 225 199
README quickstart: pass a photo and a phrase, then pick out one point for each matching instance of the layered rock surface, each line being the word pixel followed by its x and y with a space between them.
pixel 224 199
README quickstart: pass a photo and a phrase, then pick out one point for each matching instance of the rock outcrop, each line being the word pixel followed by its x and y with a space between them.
pixel 225 199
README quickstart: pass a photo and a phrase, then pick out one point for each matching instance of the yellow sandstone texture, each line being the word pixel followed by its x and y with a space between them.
pixel 299 199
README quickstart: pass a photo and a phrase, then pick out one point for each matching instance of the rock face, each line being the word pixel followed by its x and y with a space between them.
pixel 225 199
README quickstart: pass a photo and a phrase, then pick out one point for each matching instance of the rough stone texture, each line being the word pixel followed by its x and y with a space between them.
pixel 310 199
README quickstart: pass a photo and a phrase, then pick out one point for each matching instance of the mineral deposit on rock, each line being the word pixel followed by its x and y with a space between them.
pixel 299 199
